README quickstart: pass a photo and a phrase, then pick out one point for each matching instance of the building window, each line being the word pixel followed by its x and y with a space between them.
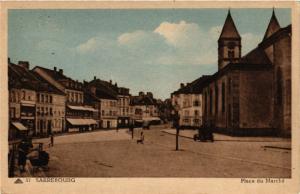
pixel 76 98
pixel 42 98
pixel 12 112
pixel 230 54
pixel 38 110
pixel 229 85
pixel 288 92
pixel 13 96
pixel 196 113
pixel 196 103
pixel 50 99
pixel 51 113
pixel 216 98
pixel 38 97
pixel 210 101
pixel 223 97
pixel 186 113
pixel 23 95
pixel 205 105
pixel 279 86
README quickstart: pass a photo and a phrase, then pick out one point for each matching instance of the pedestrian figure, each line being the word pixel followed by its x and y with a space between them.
pixel 52 139
pixel 23 150
pixel 141 140
pixel 131 128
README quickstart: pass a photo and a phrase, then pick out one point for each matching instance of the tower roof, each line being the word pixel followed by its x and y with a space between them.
pixel 273 26
pixel 229 30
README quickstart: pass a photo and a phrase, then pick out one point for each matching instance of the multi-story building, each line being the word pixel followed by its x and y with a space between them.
pixel 22 100
pixel 251 94
pixel 188 102
pixel 144 108
pixel 123 96
pixel 123 107
pixel 50 108
pixel 78 116
pixel 105 99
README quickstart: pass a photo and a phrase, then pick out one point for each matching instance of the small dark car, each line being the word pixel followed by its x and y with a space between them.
pixel 204 134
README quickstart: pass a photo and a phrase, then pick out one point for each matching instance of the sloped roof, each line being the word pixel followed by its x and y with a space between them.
pixel 89 98
pixel 229 30
pixel 45 85
pixel 63 79
pixel 256 56
pixel 54 74
pixel 272 27
pixel 194 87
pixel 142 100
pixel 102 90
pixel 20 77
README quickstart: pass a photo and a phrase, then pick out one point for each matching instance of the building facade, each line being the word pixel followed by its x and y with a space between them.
pixel 144 108
pixel 250 94
pixel 106 99
pixel 22 100
pixel 50 108
pixel 188 102
pixel 78 116
pixel 123 107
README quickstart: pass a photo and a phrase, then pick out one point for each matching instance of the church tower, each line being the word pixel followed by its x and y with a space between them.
pixel 272 27
pixel 229 43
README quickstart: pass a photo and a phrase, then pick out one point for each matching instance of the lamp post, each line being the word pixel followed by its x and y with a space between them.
pixel 176 119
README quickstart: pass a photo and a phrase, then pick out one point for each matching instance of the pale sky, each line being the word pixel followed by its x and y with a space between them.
pixel 144 50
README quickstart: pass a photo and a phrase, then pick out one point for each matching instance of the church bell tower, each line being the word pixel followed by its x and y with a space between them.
pixel 229 44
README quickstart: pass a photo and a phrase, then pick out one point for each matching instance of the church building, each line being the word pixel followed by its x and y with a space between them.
pixel 251 94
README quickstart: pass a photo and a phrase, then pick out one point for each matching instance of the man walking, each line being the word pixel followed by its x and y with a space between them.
pixel 131 128
pixel 52 140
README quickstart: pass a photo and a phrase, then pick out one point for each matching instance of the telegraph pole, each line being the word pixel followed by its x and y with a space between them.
pixel 176 125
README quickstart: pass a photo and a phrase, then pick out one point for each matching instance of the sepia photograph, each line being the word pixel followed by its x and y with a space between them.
pixel 186 92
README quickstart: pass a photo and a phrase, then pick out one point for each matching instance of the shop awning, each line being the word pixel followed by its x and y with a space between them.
pixel 27 103
pixel 82 121
pixel 83 108
pixel 151 119
pixel 19 126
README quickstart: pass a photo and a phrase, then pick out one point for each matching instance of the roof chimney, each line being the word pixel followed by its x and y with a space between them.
pixel 54 68
pixel 141 94
pixel 61 71
pixel 116 84
pixel 24 64
pixel 110 81
pixel 95 77
pixel 8 60
pixel 181 85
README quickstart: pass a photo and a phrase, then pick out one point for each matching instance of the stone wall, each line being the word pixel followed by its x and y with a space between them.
pixel 255 100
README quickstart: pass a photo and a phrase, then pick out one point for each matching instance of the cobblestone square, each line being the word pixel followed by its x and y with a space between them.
pixel 115 154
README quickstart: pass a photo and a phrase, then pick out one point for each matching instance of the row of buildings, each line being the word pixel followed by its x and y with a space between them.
pixel 44 101
pixel 248 94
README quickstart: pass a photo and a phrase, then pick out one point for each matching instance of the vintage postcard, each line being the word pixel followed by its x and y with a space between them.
pixel 150 97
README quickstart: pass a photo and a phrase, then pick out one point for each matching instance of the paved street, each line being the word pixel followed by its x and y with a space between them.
pixel 115 154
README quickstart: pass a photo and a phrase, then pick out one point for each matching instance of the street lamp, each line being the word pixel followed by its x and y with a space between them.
pixel 176 119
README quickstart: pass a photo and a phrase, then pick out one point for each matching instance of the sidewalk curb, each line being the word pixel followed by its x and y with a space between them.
pixel 227 140
pixel 178 135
